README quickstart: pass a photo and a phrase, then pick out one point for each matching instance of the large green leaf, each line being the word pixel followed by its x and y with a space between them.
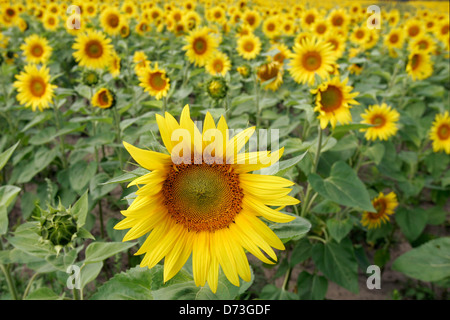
pixel 311 287
pixel 294 229
pixel 80 209
pixel 7 196
pixel 339 228
pixel 43 294
pixel 271 292
pixel 4 156
pixel 99 251
pixel 81 173
pixel 411 221
pixel 429 262
pixel 338 263
pixel 343 187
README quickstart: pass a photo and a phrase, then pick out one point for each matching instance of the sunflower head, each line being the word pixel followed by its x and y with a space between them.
pixel 385 206
pixel 104 99
pixel 270 74
pixel 419 65
pixel 217 88
pixel 93 50
pixel 244 71
pixel 218 64
pixel 200 46
pixel 36 49
pixel 90 77
pixel 249 46
pixel 383 120
pixel 440 133
pixel 154 81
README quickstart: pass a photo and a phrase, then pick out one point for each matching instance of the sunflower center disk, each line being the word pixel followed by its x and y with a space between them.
pixel 378 121
pixel 94 49
pixel 312 61
pixel 203 197
pixel 37 87
pixel 444 132
pixel 380 207
pixel 331 99
pixel 156 81
pixel 37 51
pixel 200 46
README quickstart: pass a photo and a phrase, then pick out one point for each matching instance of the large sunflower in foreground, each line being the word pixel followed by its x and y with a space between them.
pixel 93 50
pixel 36 49
pixel 34 88
pixel 385 206
pixel 333 102
pixel 383 120
pixel 207 207
pixel 200 45
pixel 440 133
pixel 311 57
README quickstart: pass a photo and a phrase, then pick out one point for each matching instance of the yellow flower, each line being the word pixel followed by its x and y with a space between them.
pixel 249 46
pixel 309 16
pixel 251 18
pixel 50 21
pixel 34 88
pixel 271 27
pixel 333 102
pixel 103 99
pixel 423 43
pixel 310 58
pixel 111 20
pixel 383 120
pixel 395 38
pixel 338 18
pixel 282 55
pixel 114 65
pixel 140 61
pixel 385 206
pixel 419 65
pixel 270 71
pixel 154 81
pixel 440 133
pixel 413 28
pixel 200 46
pixel 93 49
pixel 205 206
pixel 218 64
pixel 36 49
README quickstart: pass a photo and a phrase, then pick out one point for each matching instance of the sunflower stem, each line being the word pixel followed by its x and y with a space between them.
pixel 61 137
pixel 100 213
pixel 118 134
pixel 258 109
pixel 9 280
pixel 287 277
pixel 30 282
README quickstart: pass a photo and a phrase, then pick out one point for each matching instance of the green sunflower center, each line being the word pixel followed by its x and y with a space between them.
pixel 203 197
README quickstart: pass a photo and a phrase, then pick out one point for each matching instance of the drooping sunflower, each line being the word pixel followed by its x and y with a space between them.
pixel 34 87
pixel 419 65
pixel 270 75
pixel 383 119
pixel 333 102
pixel 93 49
pixel 218 64
pixel 249 46
pixel 36 49
pixel 154 81
pixel 385 206
pixel 111 20
pixel 200 46
pixel 311 57
pixel 440 133
pixel 206 203
pixel 103 98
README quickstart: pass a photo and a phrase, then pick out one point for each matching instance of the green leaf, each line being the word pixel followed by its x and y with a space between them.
pixel 411 221
pixel 98 189
pixel 375 153
pixel 89 273
pixel 340 131
pixel 42 294
pixel 338 263
pixel 311 287
pixel 301 252
pixel 3 220
pixel 80 209
pixel 5 155
pixel 281 167
pixel 429 262
pixel 7 195
pixel 81 173
pixel 42 159
pixel 127 177
pixel 343 187
pixel 436 215
pixel 99 251
pixel 271 292
pixel 294 229
pixel 339 228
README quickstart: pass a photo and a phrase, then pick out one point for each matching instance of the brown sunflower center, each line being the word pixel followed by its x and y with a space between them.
pixel 443 131
pixel 423 44
pixel 445 30
pixel 310 18
pixel 249 46
pixel 37 50
pixel 271 27
pixel 156 80
pixel 380 207
pixel 413 31
pixel 321 29
pixel 200 46
pixel 113 20
pixel 378 121
pixel 312 61
pixel 218 65
pixel 415 61
pixel 393 38
pixel 251 20
pixel 359 34
pixel 94 49
pixel 103 98
pixel 37 87
pixel 337 21
pixel 279 57
pixel 203 197
pixel 331 98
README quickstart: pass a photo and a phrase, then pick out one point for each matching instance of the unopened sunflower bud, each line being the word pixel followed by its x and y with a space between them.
pixel 217 88
pixel 90 78
pixel 244 71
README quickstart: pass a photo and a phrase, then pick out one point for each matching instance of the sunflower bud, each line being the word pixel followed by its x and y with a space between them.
pixel 90 78
pixel 244 71
pixel 217 88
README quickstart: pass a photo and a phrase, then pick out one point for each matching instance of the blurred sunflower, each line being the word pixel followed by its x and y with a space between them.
pixel 103 99
pixel 50 21
pixel 310 58
pixel 249 46
pixel 440 133
pixel 154 81
pixel 419 65
pixel 200 46
pixel 270 74
pixel 413 28
pixel 34 88
pixel 114 64
pixel 385 206
pixel 218 64
pixel 251 18
pixel 333 102
pixel 111 20
pixel 423 43
pixel 36 49
pixel 282 55
pixel 202 207
pixel 338 18
pixel 271 27
pixel 320 27
pixel 309 16
pixel 93 49
pixel 394 39
pixel 441 30
pixel 383 120
pixel 360 36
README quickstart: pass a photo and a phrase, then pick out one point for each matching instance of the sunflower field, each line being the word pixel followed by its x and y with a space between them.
pixel 224 150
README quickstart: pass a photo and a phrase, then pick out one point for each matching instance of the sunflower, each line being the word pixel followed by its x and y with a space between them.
pixel 441 30
pixel 200 46
pixel 287 27
pixel 310 58
pixel 320 27
pixel 413 28
pixel 111 20
pixel 154 81
pixel 419 65
pixel 270 74
pixel 142 28
pixel 251 18
pixel 338 19
pixel 282 55
pixel 36 49
pixel 114 64
pixel 423 43
pixel 103 99
pixel 50 21
pixel 440 133
pixel 206 206
pixel 217 14
pixel 271 27
pixel 309 17
pixel 394 39
pixel 383 120
pixel 93 49
pixel 140 61
pixel 385 206
pixel 360 36
pixel 301 36
pixel 337 42
pixel 249 46
pixel 333 102
pixel 218 64
pixel 34 88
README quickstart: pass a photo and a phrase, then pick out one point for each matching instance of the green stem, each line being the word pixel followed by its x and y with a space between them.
pixel 9 281
pixel 30 282
pixel 164 107
pixel 287 277
pixel 118 134
pixel 317 238
pixel 100 213
pixel 258 109
pixel 61 137
pixel 75 294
